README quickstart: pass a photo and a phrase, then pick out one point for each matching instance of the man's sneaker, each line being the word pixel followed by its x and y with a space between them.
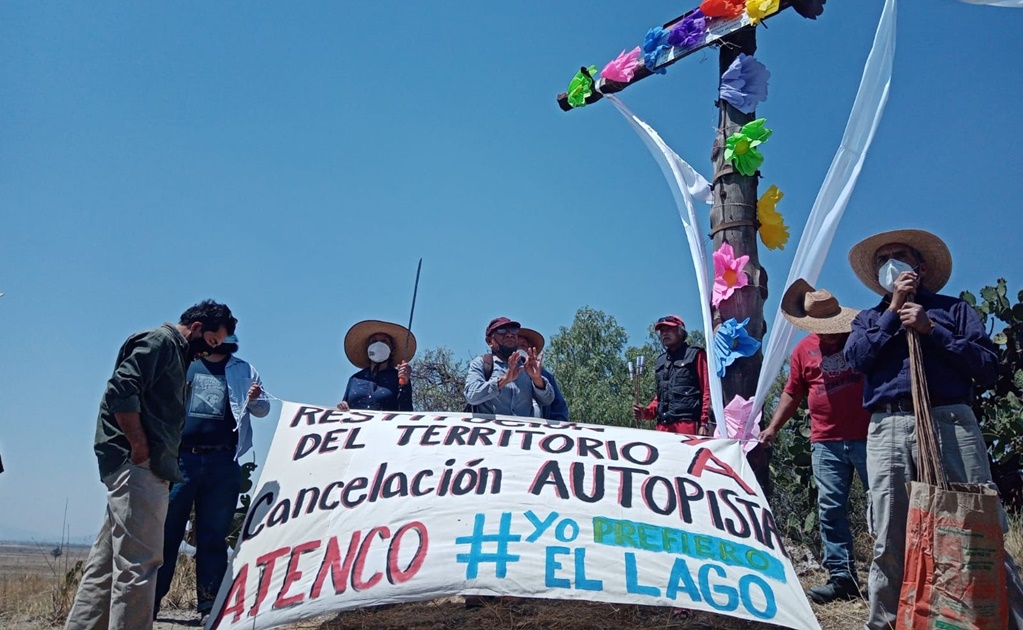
pixel 837 589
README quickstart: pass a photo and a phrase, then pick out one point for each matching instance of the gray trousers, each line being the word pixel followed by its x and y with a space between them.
pixel 891 465
pixel 118 588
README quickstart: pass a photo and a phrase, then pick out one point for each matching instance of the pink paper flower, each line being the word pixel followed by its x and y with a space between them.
pixel 728 274
pixel 624 67
pixel 737 425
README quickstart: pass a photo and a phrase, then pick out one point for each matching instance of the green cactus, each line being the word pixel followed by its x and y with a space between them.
pixel 1000 409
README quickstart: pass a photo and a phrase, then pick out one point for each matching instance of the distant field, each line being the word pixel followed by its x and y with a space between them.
pixel 27 559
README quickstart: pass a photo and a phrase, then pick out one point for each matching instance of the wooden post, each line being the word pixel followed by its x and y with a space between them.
pixel 733 219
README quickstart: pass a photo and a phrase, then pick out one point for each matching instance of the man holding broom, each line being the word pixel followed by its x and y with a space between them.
pixel 908 267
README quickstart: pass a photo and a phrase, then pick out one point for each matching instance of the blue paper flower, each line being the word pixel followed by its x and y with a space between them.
pixel 731 341
pixel 744 84
pixel 654 42
pixel 690 32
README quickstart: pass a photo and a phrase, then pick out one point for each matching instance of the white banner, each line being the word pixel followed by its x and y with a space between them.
pixel 366 508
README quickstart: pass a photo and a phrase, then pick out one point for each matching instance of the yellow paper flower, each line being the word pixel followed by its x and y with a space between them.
pixel 759 9
pixel 773 231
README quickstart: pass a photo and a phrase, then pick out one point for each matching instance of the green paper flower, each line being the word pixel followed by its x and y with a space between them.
pixel 741 148
pixel 581 87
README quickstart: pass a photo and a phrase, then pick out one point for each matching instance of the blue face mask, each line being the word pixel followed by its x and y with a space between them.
pixel 890 271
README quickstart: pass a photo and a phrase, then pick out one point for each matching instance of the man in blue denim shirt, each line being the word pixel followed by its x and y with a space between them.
pixel 908 267
pixel 223 393
pixel 512 386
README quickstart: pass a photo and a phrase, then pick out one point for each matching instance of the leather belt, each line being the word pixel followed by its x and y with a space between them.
pixel 204 450
pixel 904 404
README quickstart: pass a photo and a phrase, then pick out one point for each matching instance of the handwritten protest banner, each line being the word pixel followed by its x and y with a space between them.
pixel 366 508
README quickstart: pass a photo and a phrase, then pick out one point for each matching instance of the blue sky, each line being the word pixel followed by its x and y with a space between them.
pixel 296 159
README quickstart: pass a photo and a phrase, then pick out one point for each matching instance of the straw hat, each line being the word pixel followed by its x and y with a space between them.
pixel 816 311
pixel 932 248
pixel 533 338
pixel 359 334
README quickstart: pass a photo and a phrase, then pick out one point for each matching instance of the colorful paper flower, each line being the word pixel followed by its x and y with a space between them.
pixel 744 83
pixel 723 8
pixel 741 147
pixel 690 32
pixel 737 425
pixel 759 9
pixel 731 341
pixel 623 67
pixel 581 87
pixel 654 42
pixel 773 231
pixel 728 273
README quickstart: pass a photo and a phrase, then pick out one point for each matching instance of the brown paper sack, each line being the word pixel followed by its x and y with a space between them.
pixel 955 560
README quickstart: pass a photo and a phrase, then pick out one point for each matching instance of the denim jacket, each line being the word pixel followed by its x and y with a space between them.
pixel 514 399
pixel 240 376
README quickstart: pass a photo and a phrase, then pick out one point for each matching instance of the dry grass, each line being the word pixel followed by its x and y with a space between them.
pixel 539 614
pixel 1014 538
pixel 36 587
pixel 182 589
pixel 39 597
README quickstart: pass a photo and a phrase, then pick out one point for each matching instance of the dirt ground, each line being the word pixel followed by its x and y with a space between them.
pixel 28 582
pixel 534 614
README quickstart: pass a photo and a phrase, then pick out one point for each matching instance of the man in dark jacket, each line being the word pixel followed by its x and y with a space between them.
pixel 137 436
pixel 682 404
pixel 908 268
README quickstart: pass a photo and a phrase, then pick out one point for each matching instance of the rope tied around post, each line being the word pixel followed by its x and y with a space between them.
pixel 734 224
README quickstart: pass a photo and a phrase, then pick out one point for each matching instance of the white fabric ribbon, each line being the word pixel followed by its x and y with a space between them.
pixel 686 186
pixel 1009 4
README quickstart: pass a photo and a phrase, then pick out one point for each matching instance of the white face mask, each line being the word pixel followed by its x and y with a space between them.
pixel 378 352
pixel 890 271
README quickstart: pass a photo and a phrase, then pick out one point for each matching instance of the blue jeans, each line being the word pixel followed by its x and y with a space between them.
pixel 834 464
pixel 212 482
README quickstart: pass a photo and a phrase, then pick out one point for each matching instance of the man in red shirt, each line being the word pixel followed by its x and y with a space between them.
pixel 838 424
pixel 682 403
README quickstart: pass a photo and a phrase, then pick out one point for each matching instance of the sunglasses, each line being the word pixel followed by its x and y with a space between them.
pixel 506 331
pixel 668 320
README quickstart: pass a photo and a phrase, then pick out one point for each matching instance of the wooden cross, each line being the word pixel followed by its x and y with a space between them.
pixel 733 216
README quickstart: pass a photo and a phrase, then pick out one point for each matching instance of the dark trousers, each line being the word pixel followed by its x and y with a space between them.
pixel 212 484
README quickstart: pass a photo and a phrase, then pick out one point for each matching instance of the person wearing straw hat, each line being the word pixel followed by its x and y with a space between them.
pixel 907 268
pixel 224 392
pixel 557 410
pixel 818 372
pixel 500 382
pixel 682 403
pixel 382 350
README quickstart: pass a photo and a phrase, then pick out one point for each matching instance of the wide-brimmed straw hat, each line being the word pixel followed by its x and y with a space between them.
pixel 359 334
pixel 932 248
pixel 533 338
pixel 816 311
